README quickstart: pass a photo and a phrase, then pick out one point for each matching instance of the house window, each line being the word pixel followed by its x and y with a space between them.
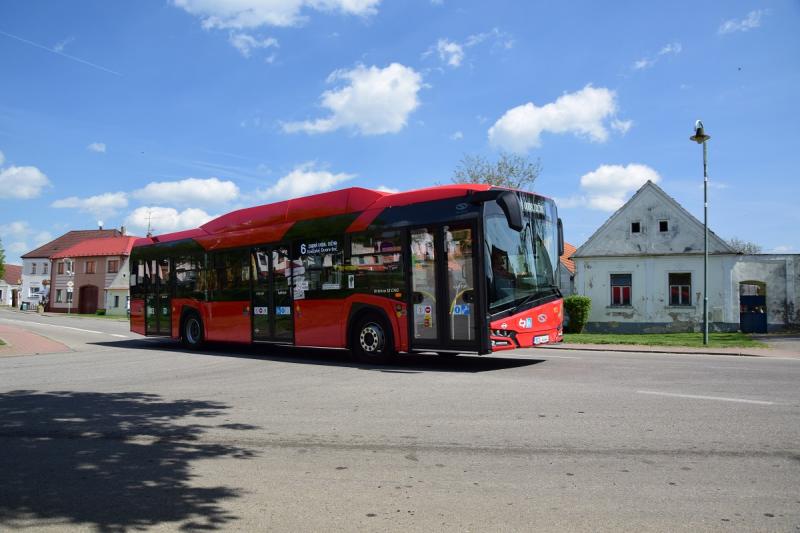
pixel 33 268
pixel 60 268
pixel 621 289
pixel 116 301
pixel 680 289
pixel 113 266
pixel 90 267
pixel 69 297
pixel 59 296
pixel 636 227
pixel 663 226
pixel 44 268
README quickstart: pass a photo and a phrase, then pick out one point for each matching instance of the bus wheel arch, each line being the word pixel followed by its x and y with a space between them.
pixel 192 332
pixel 370 336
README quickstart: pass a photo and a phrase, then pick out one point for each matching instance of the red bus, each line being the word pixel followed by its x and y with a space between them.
pixel 450 269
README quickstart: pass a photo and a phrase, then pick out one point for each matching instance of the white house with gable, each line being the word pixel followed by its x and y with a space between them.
pixel 643 270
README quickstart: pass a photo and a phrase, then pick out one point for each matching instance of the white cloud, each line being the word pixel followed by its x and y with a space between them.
pixel 609 186
pixel 2 158
pixel 373 101
pixel 100 148
pixel 192 191
pixel 457 136
pixel 582 113
pixel 22 182
pixel 19 238
pixel 384 188
pixel 245 43
pixel 302 181
pixel 668 49
pixel 102 205
pixel 751 21
pixel 450 52
pixel 165 219
pixel 239 14
pixel 622 126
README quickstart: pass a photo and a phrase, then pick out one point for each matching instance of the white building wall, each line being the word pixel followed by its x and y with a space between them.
pixel 31 283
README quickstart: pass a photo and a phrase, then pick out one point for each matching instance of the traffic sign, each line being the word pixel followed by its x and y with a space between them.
pixel 70 284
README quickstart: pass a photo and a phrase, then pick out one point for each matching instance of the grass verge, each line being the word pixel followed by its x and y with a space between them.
pixel 693 340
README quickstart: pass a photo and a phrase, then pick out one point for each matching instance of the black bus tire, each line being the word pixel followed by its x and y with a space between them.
pixel 192 331
pixel 371 339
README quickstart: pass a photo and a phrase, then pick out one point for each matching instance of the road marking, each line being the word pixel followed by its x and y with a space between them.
pixel 55 326
pixel 698 397
pixel 560 357
pixel 119 336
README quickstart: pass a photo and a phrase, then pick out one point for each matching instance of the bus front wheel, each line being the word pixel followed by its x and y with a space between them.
pixel 371 340
pixel 192 331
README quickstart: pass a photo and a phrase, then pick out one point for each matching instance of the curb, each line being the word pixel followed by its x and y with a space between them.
pixel 660 350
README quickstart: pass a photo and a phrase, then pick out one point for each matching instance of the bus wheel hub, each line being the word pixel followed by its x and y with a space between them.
pixel 370 338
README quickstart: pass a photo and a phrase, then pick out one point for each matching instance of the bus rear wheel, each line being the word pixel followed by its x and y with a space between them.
pixel 371 340
pixel 192 331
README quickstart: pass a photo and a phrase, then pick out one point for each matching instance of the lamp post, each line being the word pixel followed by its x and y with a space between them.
pixel 700 137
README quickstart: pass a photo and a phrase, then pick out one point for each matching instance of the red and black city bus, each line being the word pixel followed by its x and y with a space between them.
pixel 450 269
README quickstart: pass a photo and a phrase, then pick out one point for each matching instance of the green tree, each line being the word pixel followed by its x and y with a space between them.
pixel 744 247
pixel 510 170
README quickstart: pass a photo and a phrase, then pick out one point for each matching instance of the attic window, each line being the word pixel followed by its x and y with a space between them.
pixel 636 227
pixel 663 226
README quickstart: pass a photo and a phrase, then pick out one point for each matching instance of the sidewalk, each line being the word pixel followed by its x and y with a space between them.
pixel 20 341
pixel 774 350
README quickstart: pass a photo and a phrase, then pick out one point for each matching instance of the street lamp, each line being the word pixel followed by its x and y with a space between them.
pixel 700 137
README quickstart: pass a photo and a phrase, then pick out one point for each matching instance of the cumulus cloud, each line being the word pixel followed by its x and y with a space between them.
pixel 190 191
pixel 609 186
pixel 583 113
pixel 102 205
pixel 19 238
pixel 372 101
pixel 245 43
pixel 239 14
pixel 303 180
pixel 100 148
pixel 450 52
pixel 384 188
pixel 165 219
pixel 23 183
pixel 750 22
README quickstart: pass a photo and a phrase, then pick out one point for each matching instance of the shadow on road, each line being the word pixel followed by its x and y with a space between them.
pixel 406 364
pixel 115 461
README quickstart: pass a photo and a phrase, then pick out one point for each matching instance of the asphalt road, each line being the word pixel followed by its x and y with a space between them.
pixel 125 433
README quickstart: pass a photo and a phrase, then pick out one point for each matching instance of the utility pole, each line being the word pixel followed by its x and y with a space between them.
pixel 700 137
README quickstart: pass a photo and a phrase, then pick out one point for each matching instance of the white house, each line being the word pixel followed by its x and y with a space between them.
pixel 643 270
pixel 10 284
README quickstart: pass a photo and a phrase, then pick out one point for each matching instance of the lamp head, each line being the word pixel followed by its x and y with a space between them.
pixel 699 133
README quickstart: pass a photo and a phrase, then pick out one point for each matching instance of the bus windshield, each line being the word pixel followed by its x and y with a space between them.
pixel 519 264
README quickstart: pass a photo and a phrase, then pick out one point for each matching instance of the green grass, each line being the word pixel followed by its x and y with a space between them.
pixel 715 340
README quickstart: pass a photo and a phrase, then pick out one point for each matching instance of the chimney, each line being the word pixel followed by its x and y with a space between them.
pixel 122 230
pixel 100 224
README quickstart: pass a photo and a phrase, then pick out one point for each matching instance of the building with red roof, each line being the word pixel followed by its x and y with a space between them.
pixel 10 285
pixel 566 270
pixel 91 276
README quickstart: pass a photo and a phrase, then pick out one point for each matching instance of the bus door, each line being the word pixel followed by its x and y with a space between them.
pixel 158 318
pixel 272 297
pixel 443 290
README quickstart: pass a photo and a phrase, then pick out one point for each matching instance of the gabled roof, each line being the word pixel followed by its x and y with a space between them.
pixel 566 257
pixel 13 274
pixel 70 238
pixel 613 224
pixel 108 246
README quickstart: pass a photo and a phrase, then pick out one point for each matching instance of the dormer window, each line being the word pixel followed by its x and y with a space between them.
pixel 663 226
pixel 636 227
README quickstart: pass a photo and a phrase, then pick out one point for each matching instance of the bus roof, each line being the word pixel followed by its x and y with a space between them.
pixel 268 219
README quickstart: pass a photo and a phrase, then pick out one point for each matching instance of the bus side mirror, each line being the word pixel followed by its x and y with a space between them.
pixel 509 203
pixel 560 238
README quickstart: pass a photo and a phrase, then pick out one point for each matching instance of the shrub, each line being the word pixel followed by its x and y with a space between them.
pixel 577 309
pixel 101 312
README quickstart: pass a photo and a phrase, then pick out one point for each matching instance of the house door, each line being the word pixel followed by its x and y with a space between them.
pixel 443 293
pixel 87 300
pixel 753 307
pixel 272 297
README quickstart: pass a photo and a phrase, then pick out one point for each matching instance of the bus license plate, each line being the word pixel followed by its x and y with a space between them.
pixel 541 339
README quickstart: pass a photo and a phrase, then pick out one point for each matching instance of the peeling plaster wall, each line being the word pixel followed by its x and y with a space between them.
pixel 650 309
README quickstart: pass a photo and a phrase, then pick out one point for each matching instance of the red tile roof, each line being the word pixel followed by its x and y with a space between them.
pixel 13 275
pixel 565 258
pixel 98 247
pixel 69 239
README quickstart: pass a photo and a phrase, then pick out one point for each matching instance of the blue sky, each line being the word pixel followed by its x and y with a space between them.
pixel 186 109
